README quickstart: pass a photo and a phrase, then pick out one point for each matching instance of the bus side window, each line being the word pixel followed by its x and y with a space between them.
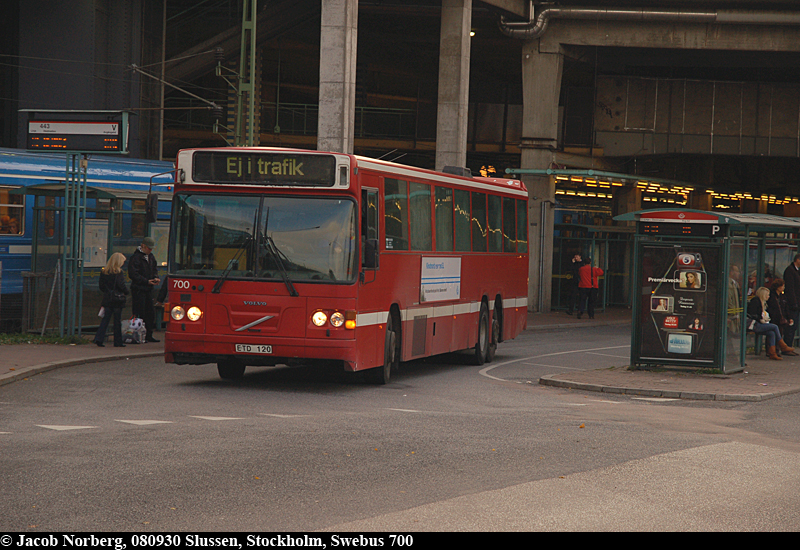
pixel 395 214
pixel 369 228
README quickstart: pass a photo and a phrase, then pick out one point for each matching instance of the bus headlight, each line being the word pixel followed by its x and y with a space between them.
pixel 177 313
pixel 337 319
pixel 194 313
pixel 319 318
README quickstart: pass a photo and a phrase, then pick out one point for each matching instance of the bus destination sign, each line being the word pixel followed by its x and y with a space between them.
pixel 265 168
pixel 77 131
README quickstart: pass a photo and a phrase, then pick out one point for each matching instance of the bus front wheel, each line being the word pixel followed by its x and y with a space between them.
pixel 230 370
pixel 382 375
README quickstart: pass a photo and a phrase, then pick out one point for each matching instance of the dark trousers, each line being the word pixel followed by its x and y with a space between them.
pixel 143 308
pixel 587 298
pixel 101 332
pixel 790 331
pixel 573 298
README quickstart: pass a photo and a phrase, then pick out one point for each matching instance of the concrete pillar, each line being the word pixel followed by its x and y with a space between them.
pixel 754 206
pixel 453 106
pixel 337 75
pixel 541 86
pixel 626 199
pixel 700 200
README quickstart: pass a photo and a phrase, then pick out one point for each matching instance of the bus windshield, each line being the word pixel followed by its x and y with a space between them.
pixel 264 237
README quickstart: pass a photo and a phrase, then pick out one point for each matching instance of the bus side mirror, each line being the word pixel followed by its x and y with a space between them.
pixel 371 254
pixel 151 208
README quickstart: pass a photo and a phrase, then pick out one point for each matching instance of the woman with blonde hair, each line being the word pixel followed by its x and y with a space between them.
pixel 760 320
pixel 115 295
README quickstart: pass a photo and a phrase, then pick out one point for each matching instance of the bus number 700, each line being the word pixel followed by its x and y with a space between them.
pixel 180 284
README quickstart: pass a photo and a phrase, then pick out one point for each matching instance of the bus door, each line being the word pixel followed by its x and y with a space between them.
pixel 369 336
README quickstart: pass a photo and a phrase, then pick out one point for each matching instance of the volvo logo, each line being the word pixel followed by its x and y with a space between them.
pixel 250 303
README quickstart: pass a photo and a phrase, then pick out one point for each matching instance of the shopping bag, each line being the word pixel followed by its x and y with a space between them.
pixel 135 332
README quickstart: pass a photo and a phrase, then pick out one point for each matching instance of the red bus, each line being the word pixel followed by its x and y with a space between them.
pixel 281 256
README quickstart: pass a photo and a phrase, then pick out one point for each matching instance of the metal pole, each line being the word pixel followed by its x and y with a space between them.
pixel 81 240
pixel 52 290
pixel 64 243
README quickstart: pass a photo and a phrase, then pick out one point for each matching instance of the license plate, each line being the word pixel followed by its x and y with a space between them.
pixel 253 348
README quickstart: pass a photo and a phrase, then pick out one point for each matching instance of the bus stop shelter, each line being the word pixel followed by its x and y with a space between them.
pixel 115 221
pixel 694 272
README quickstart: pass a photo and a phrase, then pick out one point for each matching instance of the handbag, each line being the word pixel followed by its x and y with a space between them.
pixel 118 299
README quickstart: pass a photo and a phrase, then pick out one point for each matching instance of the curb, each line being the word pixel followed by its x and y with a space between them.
pixel 25 372
pixel 548 380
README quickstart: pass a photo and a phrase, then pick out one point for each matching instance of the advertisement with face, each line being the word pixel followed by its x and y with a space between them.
pixel 679 291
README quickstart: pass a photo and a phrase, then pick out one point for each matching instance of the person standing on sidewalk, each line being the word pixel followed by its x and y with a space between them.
pixel 112 285
pixel 577 263
pixel 588 286
pixel 791 278
pixel 143 272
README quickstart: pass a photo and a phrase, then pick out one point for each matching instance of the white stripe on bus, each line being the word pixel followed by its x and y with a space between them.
pixel 435 312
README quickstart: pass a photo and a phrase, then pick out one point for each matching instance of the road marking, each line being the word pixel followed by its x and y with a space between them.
pixel 144 422
pixel 284 415
pixel 485 371
pixel 404 410
pixel 65 428
pixel 215 418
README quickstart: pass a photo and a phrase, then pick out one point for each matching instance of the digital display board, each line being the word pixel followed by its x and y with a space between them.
pixel 685 229
pixel 78 131
pixel 267 168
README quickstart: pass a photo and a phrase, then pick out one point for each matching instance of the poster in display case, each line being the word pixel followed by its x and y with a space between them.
pixel 678 318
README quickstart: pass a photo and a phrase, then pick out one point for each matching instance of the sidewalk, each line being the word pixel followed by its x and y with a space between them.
pixel 762 379
pixel 23 360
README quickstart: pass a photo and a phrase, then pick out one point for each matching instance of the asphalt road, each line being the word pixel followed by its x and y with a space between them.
pixel 148 447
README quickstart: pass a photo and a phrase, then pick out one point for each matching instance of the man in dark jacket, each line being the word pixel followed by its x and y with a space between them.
pixel 791 277
pixel 577 263
pixel 143 272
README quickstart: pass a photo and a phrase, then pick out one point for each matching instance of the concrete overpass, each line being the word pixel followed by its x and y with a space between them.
pixel 551 32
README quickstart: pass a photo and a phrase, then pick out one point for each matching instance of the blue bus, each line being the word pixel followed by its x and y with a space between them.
pixel 31 206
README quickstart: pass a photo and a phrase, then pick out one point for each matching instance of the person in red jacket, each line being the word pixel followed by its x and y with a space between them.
pixel 588 285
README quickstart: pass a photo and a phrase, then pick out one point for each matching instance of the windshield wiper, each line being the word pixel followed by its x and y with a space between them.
pixel 233 262
pixel 276 257
pixel 273 251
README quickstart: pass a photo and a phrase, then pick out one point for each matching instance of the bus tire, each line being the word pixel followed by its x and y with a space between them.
pixel 382 375
pixel 482 345
pixel 494 338
pixel 230 370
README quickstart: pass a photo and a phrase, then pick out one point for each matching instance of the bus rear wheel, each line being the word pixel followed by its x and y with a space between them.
pixel 230 370
pixel 482 345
